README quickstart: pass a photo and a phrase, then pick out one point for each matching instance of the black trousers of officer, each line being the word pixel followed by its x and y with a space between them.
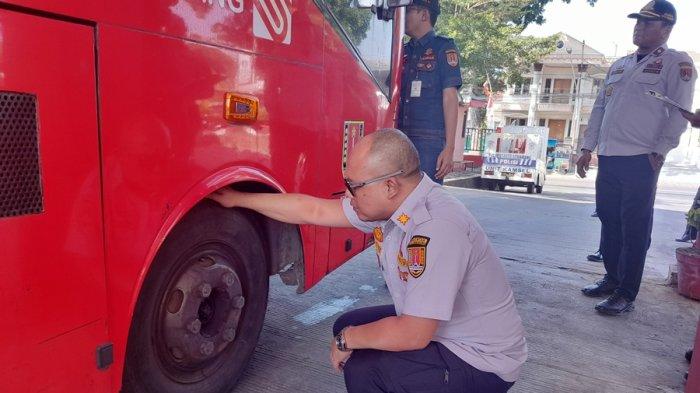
pixel 625 193
pixel 432 369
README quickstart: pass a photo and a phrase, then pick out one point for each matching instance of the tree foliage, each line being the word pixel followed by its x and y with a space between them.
pixel 487 34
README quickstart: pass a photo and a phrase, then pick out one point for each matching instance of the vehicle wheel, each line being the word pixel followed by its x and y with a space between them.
pixel 538 189
pixel 501 186
pixel 201 307
pixel 530 188
pixel 490 185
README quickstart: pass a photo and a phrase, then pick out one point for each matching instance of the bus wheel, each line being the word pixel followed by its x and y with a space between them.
pixel 490 185
pixel 501 186
pixel 530 188
pixel 201 307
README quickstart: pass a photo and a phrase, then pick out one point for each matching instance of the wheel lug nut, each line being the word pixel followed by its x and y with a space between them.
pixel 239 302
pixel 177 353
pixel 205 290
pixel 229 334
pixel 229 279
pixel 207 348
pixel 195 326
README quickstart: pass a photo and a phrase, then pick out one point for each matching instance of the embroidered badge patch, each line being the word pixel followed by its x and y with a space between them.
pixel 686 71
pixel 403 276
pixel 403 218
pixel 425 65
pixel 428 55
pixel 618 71
pixel 417 255
pixel 452 57
pixel 378 239
pixel 659 51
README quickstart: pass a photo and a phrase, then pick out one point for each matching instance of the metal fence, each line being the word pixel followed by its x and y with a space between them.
pixel 475 138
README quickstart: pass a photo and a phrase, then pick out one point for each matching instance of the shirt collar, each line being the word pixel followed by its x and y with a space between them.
pixel 413 210
pixel 425 40
pixel 656 52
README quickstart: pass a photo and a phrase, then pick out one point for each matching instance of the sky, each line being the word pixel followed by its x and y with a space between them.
pixel 606 28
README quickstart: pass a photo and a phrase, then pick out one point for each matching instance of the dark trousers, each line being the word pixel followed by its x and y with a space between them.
pixel 431 369
pixel 625 192
pixel 429 148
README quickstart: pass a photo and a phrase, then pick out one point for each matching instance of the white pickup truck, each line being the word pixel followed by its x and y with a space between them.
pixel 515 156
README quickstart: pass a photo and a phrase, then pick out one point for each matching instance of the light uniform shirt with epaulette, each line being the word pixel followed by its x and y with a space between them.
pixel 439 264
pixel 625 120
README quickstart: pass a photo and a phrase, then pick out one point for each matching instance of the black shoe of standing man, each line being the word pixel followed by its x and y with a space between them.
pixel 597 257
pixel 602 287
pixel 616 304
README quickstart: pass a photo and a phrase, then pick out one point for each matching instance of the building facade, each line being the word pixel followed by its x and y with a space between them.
pixel 558 92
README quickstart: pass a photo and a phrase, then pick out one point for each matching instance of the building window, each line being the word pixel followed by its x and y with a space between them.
pixel 543 122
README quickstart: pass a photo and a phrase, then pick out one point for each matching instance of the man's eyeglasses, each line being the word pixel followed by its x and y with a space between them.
pixel 354 186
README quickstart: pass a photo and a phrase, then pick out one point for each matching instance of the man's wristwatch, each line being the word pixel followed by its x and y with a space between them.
pixel 340 341
pixel 585 150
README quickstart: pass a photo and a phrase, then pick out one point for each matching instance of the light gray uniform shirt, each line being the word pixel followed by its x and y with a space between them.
pixel 625 121
pixel 439 264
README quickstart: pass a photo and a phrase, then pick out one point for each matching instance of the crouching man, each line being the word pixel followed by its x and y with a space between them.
pixel 453 326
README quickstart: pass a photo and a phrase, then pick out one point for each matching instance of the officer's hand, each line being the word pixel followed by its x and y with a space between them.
pixel 444 163
pixel 338 357
pixel 656 160
pixel 583 163
pixel 225 196
pixel 694 119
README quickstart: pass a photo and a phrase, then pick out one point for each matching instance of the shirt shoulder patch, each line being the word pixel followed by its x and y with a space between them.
pixel 686 71
pixel 452 57
pixel 417 255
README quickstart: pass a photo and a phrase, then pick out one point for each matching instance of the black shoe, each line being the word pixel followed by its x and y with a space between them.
pixel 685 238
pixel 602 287
pixel 597 257
pixel 689 355
pixel 616 304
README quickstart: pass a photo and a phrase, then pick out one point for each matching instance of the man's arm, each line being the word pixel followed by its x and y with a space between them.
pixel 450 104
pixel 590 138
pixel 289 208
pixel 401 333
pixel 680 88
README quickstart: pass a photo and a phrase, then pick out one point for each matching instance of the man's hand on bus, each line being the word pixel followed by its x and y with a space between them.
pixel 227 197
pixel 445 163
pixel 583 163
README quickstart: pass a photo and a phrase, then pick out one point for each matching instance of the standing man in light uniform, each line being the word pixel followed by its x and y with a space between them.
pixel 453 325
pixel 633 133
pixel 430 81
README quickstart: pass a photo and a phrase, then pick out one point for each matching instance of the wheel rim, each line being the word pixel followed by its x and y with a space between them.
pixel 199 314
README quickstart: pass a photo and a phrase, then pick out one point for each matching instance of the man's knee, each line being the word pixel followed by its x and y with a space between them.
pixel 361 371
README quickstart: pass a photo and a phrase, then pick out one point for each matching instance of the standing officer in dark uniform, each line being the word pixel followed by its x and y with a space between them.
pixel 429 85
pixel 633 133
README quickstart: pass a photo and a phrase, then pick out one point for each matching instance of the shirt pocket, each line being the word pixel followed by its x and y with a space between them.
pixel 648 78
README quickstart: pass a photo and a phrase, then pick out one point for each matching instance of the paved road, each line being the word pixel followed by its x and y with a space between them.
pixel 543 241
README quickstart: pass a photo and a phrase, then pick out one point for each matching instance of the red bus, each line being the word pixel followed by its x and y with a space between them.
pixel 117 118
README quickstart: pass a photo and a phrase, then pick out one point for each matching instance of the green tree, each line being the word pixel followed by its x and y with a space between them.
pixel 487 34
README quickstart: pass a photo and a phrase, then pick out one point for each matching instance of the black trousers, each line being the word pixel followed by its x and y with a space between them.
pixel 430 370
pixel 625 193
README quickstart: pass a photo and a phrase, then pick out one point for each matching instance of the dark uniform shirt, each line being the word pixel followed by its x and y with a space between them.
pixel 431 64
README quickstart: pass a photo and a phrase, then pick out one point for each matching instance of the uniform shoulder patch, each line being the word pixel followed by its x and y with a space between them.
pixel 686 71
pixel 452 57
pixel 417 255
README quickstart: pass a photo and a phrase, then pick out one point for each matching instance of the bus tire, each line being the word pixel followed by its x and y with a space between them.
pixel 538 189
pixel 201 308
pixel 530 188
pixel 501 186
